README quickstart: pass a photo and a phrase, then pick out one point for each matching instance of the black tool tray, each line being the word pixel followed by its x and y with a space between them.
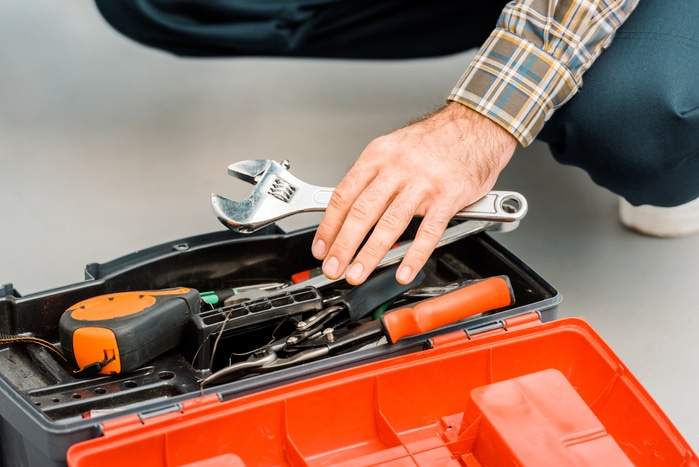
pixel 45 410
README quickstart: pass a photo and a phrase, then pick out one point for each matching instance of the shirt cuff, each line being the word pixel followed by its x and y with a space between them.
pixel 515 84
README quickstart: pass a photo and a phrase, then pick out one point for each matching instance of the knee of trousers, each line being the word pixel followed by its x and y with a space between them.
pixel 635 135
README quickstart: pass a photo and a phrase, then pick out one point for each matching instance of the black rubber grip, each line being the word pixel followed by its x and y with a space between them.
pixel 380 288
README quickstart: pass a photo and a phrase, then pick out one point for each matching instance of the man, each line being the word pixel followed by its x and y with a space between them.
pixel 634 127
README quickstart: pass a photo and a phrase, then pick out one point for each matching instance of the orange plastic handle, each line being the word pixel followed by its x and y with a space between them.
pixel 486 295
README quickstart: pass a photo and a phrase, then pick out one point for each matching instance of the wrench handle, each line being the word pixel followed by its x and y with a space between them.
pixel 478 297
pixel 322 197
pixel 499 206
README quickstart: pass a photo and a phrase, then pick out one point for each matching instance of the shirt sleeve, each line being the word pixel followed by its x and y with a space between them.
pixel 534 60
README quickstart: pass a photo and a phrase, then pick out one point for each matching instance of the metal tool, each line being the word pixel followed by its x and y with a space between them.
pixel 278 194
pixel 472 299
pixel 394 255
pixel 436 290
pixel 451 235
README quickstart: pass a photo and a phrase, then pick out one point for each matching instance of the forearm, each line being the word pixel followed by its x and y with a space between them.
pixel 534 60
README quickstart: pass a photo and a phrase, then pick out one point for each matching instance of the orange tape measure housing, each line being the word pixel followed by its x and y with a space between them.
pixel 126 329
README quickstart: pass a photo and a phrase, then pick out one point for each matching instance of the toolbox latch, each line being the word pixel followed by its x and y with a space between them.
pixel 162 415
pixel 527 320
pixel 126 423
pixel 8 290
pixel 446 339
pixel 523 321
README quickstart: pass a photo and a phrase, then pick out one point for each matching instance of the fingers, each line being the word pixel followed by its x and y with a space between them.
pixel 432 168
pixel 373 194
pixel 426 240
pixel 346 197
pixel 389 227
pixel 363 214
pixel 386 205
pixel 385 235
pixel 393 221
pixel 385 199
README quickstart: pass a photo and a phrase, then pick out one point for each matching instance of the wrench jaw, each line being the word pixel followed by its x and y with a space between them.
pixel 233 214
pixel 276 194
pixel 252 170
pixel 248 216
pixel 254 212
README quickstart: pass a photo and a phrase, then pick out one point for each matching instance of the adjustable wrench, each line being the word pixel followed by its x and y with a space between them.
pixel 278 194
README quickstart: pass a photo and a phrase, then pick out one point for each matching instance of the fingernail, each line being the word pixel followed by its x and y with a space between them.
pixel 318 249
pixel 331 267
pixel 405 274
pixel 354 274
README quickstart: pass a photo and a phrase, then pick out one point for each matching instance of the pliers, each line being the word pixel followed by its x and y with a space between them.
pixel 473 298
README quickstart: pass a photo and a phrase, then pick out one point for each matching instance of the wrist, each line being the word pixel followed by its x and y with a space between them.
pixel 485 134
pixel 471 119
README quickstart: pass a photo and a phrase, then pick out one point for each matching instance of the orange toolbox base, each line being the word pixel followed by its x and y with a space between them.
pixel 530 394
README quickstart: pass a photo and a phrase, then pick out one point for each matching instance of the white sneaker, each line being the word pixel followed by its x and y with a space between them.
pixel 676 221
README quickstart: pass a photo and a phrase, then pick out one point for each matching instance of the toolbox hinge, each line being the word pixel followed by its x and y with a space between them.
pixel 533 318
pixel 527 320
pixel 523 321
pixel 162 414
pixel 126 423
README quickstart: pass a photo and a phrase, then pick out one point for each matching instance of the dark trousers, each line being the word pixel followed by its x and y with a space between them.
pixel 634 126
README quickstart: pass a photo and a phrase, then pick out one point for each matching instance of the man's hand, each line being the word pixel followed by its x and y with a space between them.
pixel 432 168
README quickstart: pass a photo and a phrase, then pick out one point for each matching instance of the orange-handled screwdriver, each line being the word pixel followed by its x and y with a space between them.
pixel 472 299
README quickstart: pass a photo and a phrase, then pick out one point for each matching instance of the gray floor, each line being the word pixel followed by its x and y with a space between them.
pixel 108 147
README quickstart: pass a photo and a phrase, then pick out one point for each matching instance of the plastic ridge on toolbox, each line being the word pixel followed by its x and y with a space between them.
pixel 537 418
pixel 536 395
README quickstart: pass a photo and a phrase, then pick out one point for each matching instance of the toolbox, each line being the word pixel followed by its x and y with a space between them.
pixel 528 394
pixel 500 388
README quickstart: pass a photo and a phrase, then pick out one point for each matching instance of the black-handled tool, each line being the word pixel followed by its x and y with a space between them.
pixel 381 287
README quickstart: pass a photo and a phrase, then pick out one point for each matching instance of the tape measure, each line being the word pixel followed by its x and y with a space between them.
pixel 120 332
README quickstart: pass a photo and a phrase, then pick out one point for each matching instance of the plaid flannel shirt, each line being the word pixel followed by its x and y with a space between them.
pixel 534 60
